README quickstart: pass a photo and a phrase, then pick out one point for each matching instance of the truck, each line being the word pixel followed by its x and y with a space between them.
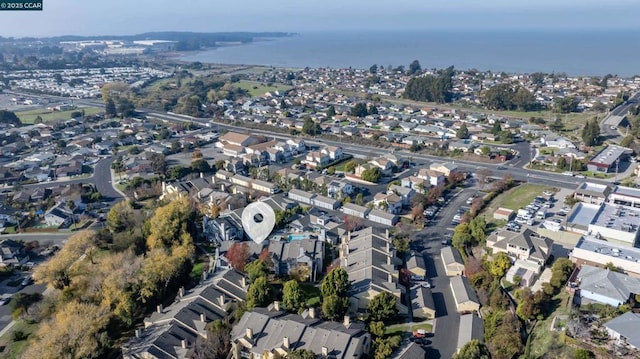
pixel 541 214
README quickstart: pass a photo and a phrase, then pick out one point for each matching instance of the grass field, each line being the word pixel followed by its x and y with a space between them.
pixel 312 293
pixel 516 198
pixel 546 341
pixel 27 117
pixel 257 89
pixel 14 349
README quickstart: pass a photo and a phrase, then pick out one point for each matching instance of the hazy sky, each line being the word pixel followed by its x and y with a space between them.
pixel 106 17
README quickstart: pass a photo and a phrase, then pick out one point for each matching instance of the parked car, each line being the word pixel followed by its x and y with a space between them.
pixel 26 281
pixel 417 278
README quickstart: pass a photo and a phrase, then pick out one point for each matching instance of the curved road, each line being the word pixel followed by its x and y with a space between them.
pixel 101 178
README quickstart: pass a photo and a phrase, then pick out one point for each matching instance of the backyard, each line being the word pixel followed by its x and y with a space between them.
pixel 14 341
pixel 257 89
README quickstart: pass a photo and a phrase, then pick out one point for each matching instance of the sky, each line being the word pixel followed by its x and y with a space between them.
pixel 121 17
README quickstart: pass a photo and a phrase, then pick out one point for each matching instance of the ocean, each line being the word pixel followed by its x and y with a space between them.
pixel 577 53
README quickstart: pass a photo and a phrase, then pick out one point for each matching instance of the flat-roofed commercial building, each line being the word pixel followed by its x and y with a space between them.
pixel 625 196
pixel 593 193
pixel 593 251
pixel 607 160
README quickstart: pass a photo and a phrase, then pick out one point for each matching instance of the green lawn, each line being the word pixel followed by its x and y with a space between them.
pixel 312 293
pixel 27 117
pixel 516 198
pixel 13 350
pixel 403 328
pixel 257 89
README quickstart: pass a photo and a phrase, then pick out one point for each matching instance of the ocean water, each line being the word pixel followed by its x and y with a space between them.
pixel 579 53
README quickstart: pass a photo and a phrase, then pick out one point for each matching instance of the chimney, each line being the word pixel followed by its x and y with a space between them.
pixel 138 332
pixel 390 277
pixel 325 352
pixel 388 247
pixel 203 318
pixel 159 308
pixel 244 282
pixel 204 275
pixel 249 333
pixel 183 342
pixel 181 292
pixel 221 300
pixel 285 342
pixel 347 321
pixel 312 313
pixel 389 260
pixel 276 305
pixel 201 175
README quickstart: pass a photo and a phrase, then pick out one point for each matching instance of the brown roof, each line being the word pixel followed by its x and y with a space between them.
pixel 234 137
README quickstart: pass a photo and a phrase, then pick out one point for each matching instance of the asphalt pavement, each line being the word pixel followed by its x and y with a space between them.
pixel 447 318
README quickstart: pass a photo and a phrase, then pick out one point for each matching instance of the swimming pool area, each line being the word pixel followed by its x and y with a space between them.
pixel 297 237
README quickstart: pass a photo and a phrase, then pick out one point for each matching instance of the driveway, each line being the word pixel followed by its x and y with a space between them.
pixel 447 318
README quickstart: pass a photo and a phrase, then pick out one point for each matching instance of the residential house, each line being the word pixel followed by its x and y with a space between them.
pixel 315 159
pixel 326 203
pixel 605 286
pixel 270 332
pixel 527 246
pixel 471 327
pixel 58 216
pixel 223 228
pixel 410 350
pixel 452 261
pixel 433 177
pixel 172 332
pixel 416 265
pixel 624 329
pixel 385 165
pixel 465 297
pixel 12 253
pixel 335 153
pixel 405 193
pixel 289 256
pixel 446 168
pixel 339 189
pixel 388 201
pixel 369 259
pixel 422 302
pixel 420 185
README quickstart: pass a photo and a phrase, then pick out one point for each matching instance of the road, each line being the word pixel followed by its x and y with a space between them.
pixel 609 125
pixel 101 178
pixel 447 318
pixel 5 310
pixel 361 151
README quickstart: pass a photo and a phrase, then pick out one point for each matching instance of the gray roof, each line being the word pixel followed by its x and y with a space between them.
pixel 471 327
pixel 462 290
pixel 416 261
pixel 627 326
pixel 270 327
pixel 382 214
pixel 421 297
pixel 609 284
pixel 539 247
pixel 165 330
pixel 583 214
pixel 356 208
pixel 410 351
pixel 594 189
pixel 627 191
pixel 609 155
pixel 450 255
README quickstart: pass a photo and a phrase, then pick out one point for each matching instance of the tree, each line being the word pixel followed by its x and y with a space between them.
pixel 125 107
pixel 350 166
pixel 473 350
pixel 373 69
pixel 565 104
pixel 216 344
pixel 431 88
pixel 372 175
pixel 310 127
pixel 591 133
pixel 158 163
pixel 200 165
pixel 110 108
pixel 382 307
pixel 293 298
pixel 462 132
pixel 237 255
pixel 38 120
pixel 301 354
pixel 557 124
pixel 561 163
pixel 560 272
pixel 485 150
pixel 9 117
pixel 461 237
pixel 527 308
pixel 172 224
pixel 359 200
pixel 21 302
pixel 331 111
pixel 373 110
pixel 500 264
pixel 120 217
pixel 627 141
pixel 414 68
pixel 496 128
pixel 255 270
pixel 335 307
pixel 583 354
pixel 259 293
pixel 77 330
pixel 401 245
pixel 335 282
pixel 359 110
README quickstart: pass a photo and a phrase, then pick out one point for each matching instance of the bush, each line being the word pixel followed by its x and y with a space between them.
pixel 19 335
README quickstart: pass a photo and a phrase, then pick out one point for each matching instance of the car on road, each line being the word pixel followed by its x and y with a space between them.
pixel 26 281
pixel 4 300
pixel 445 242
